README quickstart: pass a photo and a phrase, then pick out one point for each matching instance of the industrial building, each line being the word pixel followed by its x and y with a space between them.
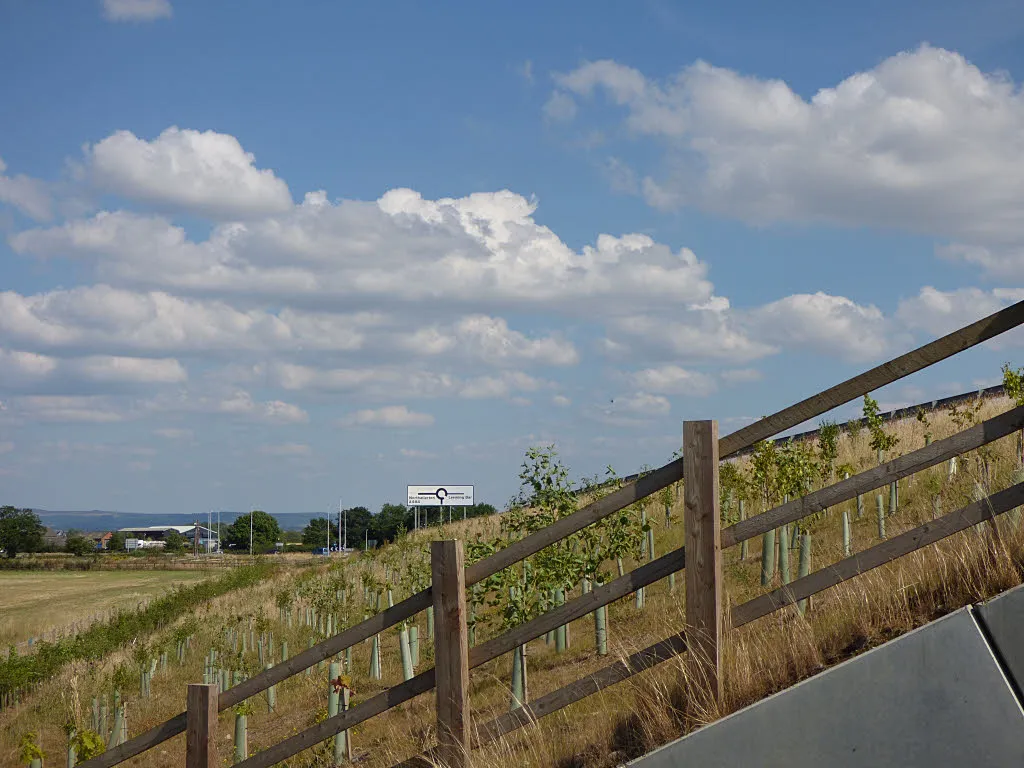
pixel 155 536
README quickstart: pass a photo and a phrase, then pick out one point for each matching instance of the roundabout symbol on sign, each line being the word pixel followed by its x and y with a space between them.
pixel 440 495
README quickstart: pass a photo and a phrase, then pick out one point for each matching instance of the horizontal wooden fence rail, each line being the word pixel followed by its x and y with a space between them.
pixel 898 414
pixel 880 554
pixel 941 450
pixel 886 373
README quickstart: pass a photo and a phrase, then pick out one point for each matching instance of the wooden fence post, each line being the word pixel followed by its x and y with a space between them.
pixel 703 554
pixel 451 654
pixel 201 727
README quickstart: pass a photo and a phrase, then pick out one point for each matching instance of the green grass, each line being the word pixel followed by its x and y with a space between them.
pixel 36 602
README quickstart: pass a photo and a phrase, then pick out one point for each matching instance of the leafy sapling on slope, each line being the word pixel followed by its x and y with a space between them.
pixel 735 491
pixel 881 442
pixel 764 472
pixel 1013 383
pixel 922 418
pixel 828 449
pixel 1013 387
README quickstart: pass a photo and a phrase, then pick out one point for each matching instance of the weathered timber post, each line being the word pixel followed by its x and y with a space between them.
pixel 201 727
pixel 703 553
pixel 451 653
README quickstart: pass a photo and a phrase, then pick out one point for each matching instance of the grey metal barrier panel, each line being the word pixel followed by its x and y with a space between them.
pixel 933 697
pixel 1003 617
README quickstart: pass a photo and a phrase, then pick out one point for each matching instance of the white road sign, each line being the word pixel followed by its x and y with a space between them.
pixel 440 495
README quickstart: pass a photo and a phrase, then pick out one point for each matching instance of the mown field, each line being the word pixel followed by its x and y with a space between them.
pixel 602 731
pixel 37 603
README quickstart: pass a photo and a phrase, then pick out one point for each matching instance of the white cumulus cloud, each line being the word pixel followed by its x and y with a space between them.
pixel 674 380
pixel 204 172
pixel 502 386
pixel 241 403
pixel 28 195
pixel 710 333
pixel 65 408
pixel 107 318
pixel 491 340
pixel 389 416
pixel 137 370
pixel 403 250
pixel 924 142
pixel 20 370
pixel 643 403
pixel 824 324
pixel 937 313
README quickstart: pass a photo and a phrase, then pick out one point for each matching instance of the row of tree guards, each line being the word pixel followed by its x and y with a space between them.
pixel 108 718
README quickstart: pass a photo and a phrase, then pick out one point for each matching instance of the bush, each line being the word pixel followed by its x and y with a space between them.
pixel 175 543
pixel 79 546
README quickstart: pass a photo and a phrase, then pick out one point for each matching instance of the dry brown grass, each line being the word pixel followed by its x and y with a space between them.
pixel 635 716
pixel 38 603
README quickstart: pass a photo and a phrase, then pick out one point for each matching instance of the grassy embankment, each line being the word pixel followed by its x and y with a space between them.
pixel 621 722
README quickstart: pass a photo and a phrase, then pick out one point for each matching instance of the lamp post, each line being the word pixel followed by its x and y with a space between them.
pixel 344 542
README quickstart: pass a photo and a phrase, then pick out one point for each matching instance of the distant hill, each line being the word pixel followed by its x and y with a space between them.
pixel 104 520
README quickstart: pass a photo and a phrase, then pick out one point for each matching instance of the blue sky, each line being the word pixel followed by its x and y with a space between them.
pixel 289 253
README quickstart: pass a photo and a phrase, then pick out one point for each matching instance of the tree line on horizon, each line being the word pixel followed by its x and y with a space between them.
pixel 359 524
pixel 22 530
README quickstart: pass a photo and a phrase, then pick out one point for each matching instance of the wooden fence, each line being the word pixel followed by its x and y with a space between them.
pixel 705 623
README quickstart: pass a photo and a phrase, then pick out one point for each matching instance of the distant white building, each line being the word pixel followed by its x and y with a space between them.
pixel 154 536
